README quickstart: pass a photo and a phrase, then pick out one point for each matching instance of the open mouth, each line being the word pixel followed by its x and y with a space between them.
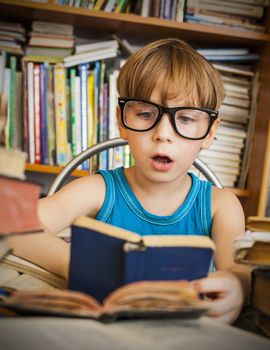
pixel 162 159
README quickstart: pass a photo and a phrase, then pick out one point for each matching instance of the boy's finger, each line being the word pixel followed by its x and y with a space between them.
pixel 210 285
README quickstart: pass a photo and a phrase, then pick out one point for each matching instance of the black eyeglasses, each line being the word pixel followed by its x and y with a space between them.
pixel 192 123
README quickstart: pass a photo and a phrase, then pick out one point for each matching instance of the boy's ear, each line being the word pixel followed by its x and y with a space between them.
pixel 122 129
pixel 207 142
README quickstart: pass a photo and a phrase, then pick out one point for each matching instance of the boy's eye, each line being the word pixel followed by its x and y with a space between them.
pixel 145 114
pixel 185 119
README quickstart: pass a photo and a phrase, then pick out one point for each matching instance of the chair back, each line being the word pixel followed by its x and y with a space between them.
pixel 202 170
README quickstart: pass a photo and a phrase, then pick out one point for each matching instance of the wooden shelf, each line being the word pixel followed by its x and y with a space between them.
pixel 98 24
pixel 49 169
pixel 151 27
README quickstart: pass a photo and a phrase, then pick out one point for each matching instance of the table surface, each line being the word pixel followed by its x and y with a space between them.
pixel 27 333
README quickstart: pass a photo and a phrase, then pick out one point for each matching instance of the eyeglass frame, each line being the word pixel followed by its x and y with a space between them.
pixel 213 115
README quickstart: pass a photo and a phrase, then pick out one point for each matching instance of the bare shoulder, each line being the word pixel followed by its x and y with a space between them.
pixel 83 196
pixel 228 215
pixel 224 199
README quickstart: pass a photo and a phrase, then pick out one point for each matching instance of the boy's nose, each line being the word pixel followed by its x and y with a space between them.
pixel 164 130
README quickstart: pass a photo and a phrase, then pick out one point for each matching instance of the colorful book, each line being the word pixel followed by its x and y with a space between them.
pixel 91 108
pixel 78 120
pixel 44 113
pixel 72 73
pixel 83 72
pixel 30 111
pixel 60 114
pixel 37 112
pixel 51 129
pixel 12 92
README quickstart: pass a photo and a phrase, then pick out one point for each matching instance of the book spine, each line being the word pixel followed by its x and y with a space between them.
pixel 43 113
pixel 155 8
pixel 51 117
pixel 7 93
pixel 18 112
pixel 2 71
pixel 37 116
pixel 11 124
pixel 83 71
pixel 60 114
pixel 72 111
pixel 25 109
pixel 91 108
pixel 30 99
pixel 78 128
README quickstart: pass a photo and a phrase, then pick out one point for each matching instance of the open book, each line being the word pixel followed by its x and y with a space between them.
pixel 104 257
pixel 135 300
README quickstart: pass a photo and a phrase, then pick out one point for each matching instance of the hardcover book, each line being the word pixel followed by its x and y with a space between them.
pixel 104 257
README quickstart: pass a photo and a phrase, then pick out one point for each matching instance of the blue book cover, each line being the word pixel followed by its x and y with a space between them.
pixel 104 257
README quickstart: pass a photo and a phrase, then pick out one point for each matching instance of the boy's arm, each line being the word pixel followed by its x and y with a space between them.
pixel 44 249
pixel 229 223
pixel 229 286
pixel 83 196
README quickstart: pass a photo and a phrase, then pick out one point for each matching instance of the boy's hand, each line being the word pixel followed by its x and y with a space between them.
pixel 225 293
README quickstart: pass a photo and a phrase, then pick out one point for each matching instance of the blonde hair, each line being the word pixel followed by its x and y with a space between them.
pixel 177 68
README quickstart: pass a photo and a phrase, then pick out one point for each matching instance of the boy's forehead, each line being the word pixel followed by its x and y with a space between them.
pixel 174 97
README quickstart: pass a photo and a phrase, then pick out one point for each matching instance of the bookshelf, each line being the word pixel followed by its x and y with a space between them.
pixel 129 25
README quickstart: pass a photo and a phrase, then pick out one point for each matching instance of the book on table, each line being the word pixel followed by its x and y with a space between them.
pixel 115 273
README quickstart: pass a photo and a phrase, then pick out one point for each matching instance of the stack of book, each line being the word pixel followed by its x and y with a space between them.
pixel 18 216
pixel 12 37
pixel 237 14
pixel 92 51
pixel 18 198
pixel 50 39
pixel 229 154
pixel 253 249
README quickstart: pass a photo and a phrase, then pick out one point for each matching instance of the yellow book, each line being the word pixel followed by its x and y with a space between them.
pixel 60 113
pixel 91 109
pixel 50 59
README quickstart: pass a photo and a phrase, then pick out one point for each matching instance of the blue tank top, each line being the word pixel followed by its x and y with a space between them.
pixel 121 208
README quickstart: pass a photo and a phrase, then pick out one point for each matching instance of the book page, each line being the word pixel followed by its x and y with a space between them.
pixel 106 229
pixel 154 295
pixel 27 282
pixel 24 266
pixel 178 241
pixel 7 275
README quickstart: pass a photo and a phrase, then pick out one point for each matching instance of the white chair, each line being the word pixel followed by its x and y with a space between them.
pixel 62 177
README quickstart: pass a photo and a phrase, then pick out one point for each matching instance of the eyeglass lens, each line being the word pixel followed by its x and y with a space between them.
pixel 141 116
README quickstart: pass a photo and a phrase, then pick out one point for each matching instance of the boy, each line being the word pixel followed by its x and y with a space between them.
pixel 169 95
